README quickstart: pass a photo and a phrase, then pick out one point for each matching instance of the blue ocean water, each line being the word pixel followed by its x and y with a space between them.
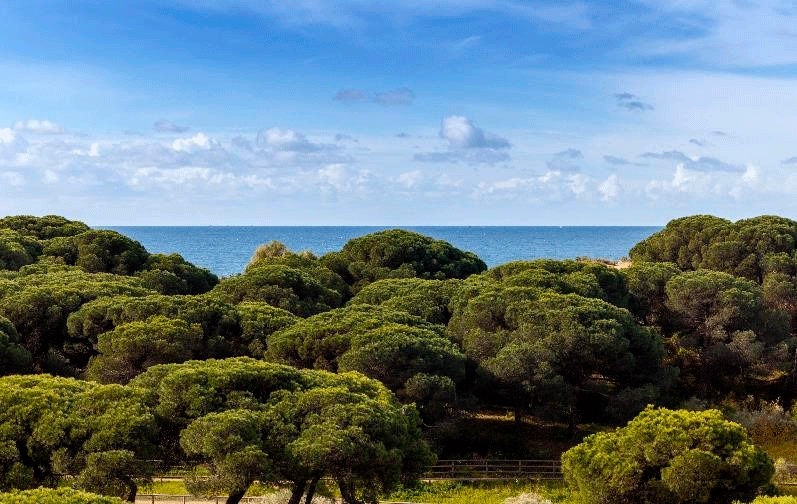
pixel 226 250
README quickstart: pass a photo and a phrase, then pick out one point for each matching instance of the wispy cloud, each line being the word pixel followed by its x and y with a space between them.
pixel 565 160
pixel 701 164
pixel 619 161
pixel 39 126
pixel 165 126
pixel 632 102
pixel 400 96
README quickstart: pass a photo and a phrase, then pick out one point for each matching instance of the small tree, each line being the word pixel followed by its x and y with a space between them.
pixel 671 457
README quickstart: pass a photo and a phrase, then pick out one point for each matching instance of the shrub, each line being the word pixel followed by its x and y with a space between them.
pixel 55 496
pixel 672 457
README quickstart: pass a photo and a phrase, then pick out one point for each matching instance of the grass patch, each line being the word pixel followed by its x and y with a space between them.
pixel 177 487
pixel 449 492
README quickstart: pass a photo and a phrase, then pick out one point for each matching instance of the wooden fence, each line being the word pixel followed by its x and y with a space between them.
pixel 473 470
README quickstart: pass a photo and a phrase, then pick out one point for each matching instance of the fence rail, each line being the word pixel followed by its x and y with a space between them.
pixel 495 470
pixel 187 499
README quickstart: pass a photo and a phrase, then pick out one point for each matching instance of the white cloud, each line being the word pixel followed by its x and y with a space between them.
pixel 461 133
pixel 410 179
pixel 610 188
pixel 284 139
pixel 708 185
pixel 50 177
pixel 200 141
pixel 550 186
pixel 7 136
pixel 38 126
pixel 726 33
pixel 343 179
pixel 11 178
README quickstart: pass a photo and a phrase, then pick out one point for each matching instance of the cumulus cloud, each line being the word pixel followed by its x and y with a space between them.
pixel 39 126
pixel 461 133
pixel 702 164
pixel 200 141
pixel 552 185
pixel 165 126
pixel 284 139
pixel 701 183
pixel 632 102
pixel 609 189
pixel 410 179
pixel 400 96
pixel 467 143
pixel 7 136
pixel 791 160
pixel 343 179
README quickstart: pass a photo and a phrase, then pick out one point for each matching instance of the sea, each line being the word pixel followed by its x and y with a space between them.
pixel 225 250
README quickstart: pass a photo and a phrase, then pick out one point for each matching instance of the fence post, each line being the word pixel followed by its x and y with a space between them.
pixel 153 498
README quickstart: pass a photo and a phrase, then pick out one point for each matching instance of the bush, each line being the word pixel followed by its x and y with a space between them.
pixel 55 496
pixel 671 457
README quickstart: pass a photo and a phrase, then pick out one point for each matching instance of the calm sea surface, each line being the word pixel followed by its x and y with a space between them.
pixel 226 250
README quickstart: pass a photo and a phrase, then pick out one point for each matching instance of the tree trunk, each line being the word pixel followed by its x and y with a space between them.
pixel 297 491
pixel 235 497
pixel 573 427
pixel 132 490
pixel 311 490
pixel 347 492
pixel 518 412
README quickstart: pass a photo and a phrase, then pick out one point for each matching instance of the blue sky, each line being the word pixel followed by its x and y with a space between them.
pixel 413 112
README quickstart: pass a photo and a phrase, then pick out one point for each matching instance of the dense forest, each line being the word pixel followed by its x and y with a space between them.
pixel 364 364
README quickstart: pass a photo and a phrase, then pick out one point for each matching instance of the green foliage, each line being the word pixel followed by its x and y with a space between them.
pixel 748 248
pixel 39 298
pixel 276 253
pixel 53 427
pixel 319 341
pixel 171 274
pixel 43 228
pixel 646 286
pixel 219 320
pixel 131 348
pixel 248 419
pixel 17 250
pixel 585 278
pixel 428 299
pixel 726 330
pixel 397 253
pixel 539 346
pixel 55 496
pixel 226 330
pixel 665 456
pixel 99 251
pixel 14 358
pixel 258 322
pixel 390 346
pixel 291 289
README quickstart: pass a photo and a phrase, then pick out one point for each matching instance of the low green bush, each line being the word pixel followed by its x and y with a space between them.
pixel 55 496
